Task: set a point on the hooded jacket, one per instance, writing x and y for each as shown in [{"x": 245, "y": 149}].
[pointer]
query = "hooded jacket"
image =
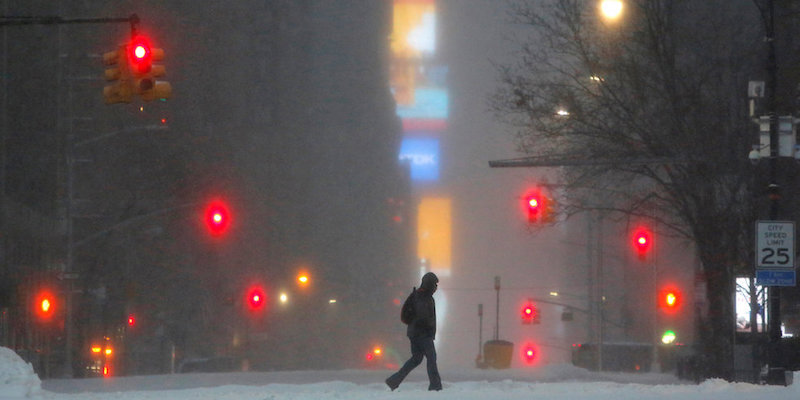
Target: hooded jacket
[{"x": 424, "y": 322}]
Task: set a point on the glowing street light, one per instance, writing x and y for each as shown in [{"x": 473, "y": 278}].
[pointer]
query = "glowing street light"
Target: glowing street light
[
  {"x": 303, "y": 278},
  {"x": 611, "y": 9}
]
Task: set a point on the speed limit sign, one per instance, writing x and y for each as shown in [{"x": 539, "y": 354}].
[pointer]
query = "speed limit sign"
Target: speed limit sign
[{"x": 775, "y": 245}]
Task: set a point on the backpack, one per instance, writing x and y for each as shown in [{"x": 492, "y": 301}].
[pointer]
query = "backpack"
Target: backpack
[{"x": 407, "y": 313}]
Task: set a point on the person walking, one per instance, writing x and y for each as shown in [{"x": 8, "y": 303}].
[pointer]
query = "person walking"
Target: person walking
[{"x": 421, "y": 332}]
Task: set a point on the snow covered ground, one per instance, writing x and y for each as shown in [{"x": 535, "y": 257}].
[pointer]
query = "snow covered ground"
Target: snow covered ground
[{"x": 17, "y": 381}]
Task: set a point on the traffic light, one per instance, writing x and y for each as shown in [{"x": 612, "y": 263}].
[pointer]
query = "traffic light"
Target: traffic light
[
  {"x": 529, "y": 353},
  {"x": 670, "y": 304},
  {"x": 133, "y": 72},
  {"x": 217, "y": 218},
  {"x": 669, "y": 300},
  {"x": 534, "y": 204},
  {"x": 131, "y": 320},
  {"x": 141, "y": 55},
  {"x": 530, "y": 314},
  {"x": 44, "y": 306},
  {"x": 375, "y": 356},
  {"x": 256, "y": 298},
  {"x": 538, "y": 206},
  {"x": 668, "y": 337},
  {"x": 642, "y": 242},
  {"x": 120, "y": 90}
]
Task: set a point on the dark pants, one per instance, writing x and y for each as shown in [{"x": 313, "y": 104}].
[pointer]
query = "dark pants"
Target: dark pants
[{"x": 419, "y": 347}]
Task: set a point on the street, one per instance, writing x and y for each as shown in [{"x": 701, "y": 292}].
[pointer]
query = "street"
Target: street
[{"x": 561, "y": 381}]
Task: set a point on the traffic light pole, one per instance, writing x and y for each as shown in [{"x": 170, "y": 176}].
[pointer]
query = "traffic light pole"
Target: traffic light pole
[
  {"x": 776, "y": 371},
  {"x": 497, "y": 310}
]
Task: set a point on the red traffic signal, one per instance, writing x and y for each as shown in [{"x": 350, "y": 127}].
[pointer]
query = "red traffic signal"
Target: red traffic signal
[
  {"x": 530, "y": 314},
  {"x": 534, "y": 203},
  {"x": 44, "y": 305},
  {"x": 132, "y": 71},
  {"x": 140, "y": 55},
  {"x": 642, "y": 242},
  {"x": 669, "y": 300},
  {"x": 529, "y": 354},
  {"x": 131, "y": 320},
  {"x": 538, "y": 206},
  {"x": 256, "y": 298},
  {"x": 528, "y": 311},
  {"x": 217, "y": 218}
]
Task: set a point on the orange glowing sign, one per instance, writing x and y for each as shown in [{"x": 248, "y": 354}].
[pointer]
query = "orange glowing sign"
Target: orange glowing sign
[
  {"x": 414, "y": 28},
  {"x": 434, "y": 233}
]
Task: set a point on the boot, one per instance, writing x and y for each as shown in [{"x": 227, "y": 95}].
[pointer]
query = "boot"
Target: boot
[{"x": 392, "y": 383}]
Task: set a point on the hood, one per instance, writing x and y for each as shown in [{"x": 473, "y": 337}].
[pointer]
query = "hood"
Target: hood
[{"x": 429, "y": 282}]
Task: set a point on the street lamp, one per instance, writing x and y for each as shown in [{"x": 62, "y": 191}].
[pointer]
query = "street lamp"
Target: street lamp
[{"x": 611, "y": 9}]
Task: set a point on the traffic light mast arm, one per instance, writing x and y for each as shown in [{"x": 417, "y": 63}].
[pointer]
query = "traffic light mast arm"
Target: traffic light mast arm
[
  {"x": 128, "y": 222},
  {"x": 581, "y": 310},
  {"x": 55, "y": 20},
  {"x": 567, "y": 161},
  {"x": 555, "y": 303}
]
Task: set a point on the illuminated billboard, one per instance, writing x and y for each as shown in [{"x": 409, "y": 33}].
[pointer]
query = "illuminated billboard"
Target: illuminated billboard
[
  {"x": 429, "y": 103},
  {"x": 423, "y": 102},
  {"x": 414, "y": 29},
  {"x": 418, "y": 83},
  {"x": 423, "y": 156},
  {"x": 434, "y": 233}
]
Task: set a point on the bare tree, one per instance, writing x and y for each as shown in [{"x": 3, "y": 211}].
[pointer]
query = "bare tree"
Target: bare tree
[{"x": 654, "y": 105}]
